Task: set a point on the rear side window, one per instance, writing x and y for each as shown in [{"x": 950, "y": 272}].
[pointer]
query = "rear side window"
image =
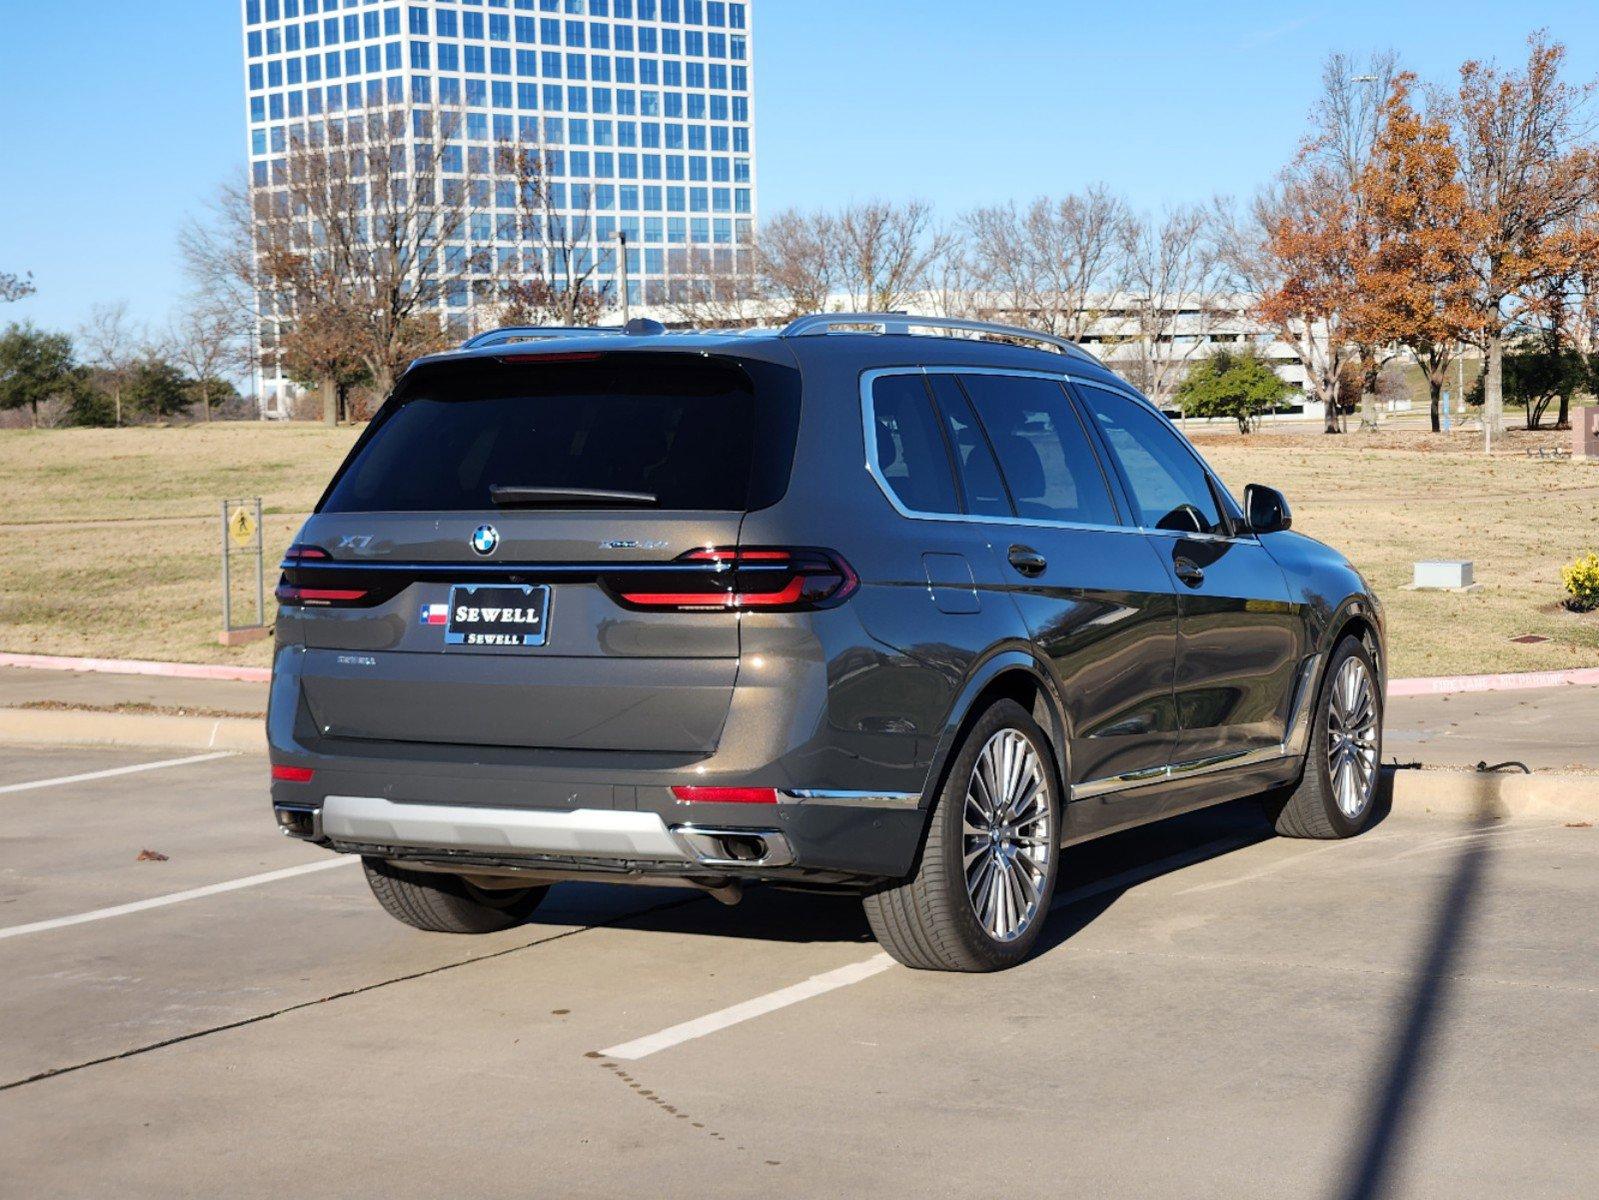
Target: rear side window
[
  {"x": 980, "y": 482},
  {"x": 1170, "y": 488},
  {"x": 911, "y": 458},
  {"x": 1052, "y": 471},
  {"x": 690, "y": 434}
]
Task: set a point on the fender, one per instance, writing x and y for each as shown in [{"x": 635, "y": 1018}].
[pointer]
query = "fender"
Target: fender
[
  {"x": 1006, "y": 657},
  {"x": 1367, "y": 608}
]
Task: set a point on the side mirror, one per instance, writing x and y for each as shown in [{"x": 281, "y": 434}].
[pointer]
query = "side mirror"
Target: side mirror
[{"x": 1266, "y": 509}]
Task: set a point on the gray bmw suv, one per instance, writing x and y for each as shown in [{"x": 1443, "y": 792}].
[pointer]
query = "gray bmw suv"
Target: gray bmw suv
[{"x": 897, "y": 606}]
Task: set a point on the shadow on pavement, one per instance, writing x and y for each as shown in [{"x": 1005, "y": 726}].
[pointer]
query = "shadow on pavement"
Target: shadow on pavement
[
  {"x": 768, "y": 914},
  {"x": 1403, "y": 1069}
]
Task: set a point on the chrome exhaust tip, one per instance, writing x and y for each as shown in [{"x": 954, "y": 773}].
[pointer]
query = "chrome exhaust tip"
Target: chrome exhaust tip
[{"x": 718, "y": 847}]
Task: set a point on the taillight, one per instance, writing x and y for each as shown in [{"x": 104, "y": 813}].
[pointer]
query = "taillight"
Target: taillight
[
  {"x": 723, "y": 579},
  {"x": 289, "y": 593},
  {"x": 303, "y": 553},
  {"x": 282, "y": 774},
  {"x": 726, "y": 795}
]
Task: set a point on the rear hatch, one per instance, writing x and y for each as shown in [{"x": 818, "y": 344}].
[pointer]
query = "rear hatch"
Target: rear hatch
[{"x": 541, "y": 551}]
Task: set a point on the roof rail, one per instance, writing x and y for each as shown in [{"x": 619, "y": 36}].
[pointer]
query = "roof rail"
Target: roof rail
[
  {"x": 825, "y": 323},
  {"x": 537, "y": 333}
]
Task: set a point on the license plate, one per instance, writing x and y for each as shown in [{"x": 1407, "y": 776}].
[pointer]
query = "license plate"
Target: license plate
[{"x": 497, "y": 615}]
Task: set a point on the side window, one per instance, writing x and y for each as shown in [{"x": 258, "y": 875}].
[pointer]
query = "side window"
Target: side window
[
  {"x": 979, "y": 473},
  {"x": 1169, "y": 486},
  {"x": 1052, "y": 470},
  {"x": 911, "y": 458}
]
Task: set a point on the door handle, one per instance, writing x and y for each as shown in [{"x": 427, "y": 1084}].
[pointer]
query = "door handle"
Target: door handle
[
  {"x": 1028, "y": 561},
  {"x": 1188, "y": 571}
]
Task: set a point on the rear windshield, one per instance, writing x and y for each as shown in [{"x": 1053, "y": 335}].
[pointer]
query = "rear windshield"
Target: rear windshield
[{"x": 694, "y": 434}]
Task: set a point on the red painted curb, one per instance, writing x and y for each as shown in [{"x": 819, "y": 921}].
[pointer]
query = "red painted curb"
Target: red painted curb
[
  {"x": 1445, "y": 684},
  {"x": 128, "y": 666}
]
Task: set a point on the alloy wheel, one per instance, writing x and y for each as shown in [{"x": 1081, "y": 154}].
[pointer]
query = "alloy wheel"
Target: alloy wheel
[
  {"x": 1352, "y": 738},
  {"x": 1008, "y": 837}
]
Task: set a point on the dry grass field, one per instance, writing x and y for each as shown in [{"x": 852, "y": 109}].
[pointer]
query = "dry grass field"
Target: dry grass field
[{"x": 109, "y": 539}]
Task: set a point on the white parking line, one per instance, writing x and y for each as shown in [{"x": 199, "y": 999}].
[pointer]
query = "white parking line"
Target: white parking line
[
  {"x": 84, "y": 778},
  {"x": 816, "y": 985},
  {"x": 829, "y": 981},
  {"x": 212, "y": 889}
]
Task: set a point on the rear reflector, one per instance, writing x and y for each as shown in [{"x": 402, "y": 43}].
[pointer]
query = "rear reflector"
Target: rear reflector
[
  {"x": 770, "y": 579},
  {"x": 288, "y": 593},
  {"x": 282, "y": 774},
  {"x": 725, "y": 795}
]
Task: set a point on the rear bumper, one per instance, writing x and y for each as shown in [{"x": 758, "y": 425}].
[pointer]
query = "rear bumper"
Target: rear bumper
[
  {"x": 623, "y": 837},
  {"x": 833, "y": 837}
]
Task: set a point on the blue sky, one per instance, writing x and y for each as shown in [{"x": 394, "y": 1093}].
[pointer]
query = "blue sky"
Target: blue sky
[{"x": 118, "y": 119}]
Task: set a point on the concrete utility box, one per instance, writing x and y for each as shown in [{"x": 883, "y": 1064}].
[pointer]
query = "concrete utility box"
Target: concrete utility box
[
  {"x": 1448, "y": 576},
  {"x": 1585, "y": 433}
]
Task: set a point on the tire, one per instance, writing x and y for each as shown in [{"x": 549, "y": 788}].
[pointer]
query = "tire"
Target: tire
[
  {"x": 441, "y": 903},
  {"x": 931, "y": 921},
  {"x": 1326, "y": 804}
]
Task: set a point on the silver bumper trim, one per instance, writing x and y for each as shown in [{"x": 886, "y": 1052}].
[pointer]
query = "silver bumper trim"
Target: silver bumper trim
[
  {"x": 580, "y": 833},
  {"x": 852, "y": 799}
]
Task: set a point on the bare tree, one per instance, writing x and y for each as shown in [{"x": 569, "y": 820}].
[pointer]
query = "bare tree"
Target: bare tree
[
  {"x": 114, "y": 345},
  {"x": 882, "y": 252},
  {"x": 1045, "y": 264},
  {"x": 1168, "y": 277},
  {"x": 204, "y": 339},
  {"x": 720, "y": 290},
  {"x": 15, "y": 287},
  {"x": 359, "y": 231},
  {"x": 795, "y": 267},
  {"x": 1346, "y": 124},
  {"x": 557, "y": 279}
]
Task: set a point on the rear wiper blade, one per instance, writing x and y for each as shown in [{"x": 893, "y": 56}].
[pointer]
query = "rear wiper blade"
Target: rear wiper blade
[{"x": 520, "y": 495}]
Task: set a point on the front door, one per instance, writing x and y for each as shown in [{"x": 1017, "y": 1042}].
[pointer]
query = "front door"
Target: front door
[
  {"x": 1240, "y": 637},
  {"x": 1095, "y": 596}
]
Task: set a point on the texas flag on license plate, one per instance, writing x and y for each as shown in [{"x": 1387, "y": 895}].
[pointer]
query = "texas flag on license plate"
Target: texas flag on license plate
[{"x": 435, "y": 614}]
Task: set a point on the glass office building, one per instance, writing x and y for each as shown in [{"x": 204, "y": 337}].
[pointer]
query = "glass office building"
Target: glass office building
[{"x": 642, "y": 110}]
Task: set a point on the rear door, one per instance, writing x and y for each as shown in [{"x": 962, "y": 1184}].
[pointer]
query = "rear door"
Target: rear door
[
  {"x": 513, "y": 553},
  {"x": 1096, "y": 598},
  {"x": 1240, "y": 633}
]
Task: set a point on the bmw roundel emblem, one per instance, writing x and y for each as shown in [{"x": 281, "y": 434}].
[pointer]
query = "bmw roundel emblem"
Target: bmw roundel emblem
[{"x": 485, "y": 539}]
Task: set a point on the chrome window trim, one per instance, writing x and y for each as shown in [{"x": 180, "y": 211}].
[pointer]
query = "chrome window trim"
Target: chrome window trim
[{"x": 875, "y": 470}]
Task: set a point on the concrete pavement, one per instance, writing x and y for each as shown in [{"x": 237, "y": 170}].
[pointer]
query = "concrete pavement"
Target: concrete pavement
[{"x": 1215, "y": 1012}]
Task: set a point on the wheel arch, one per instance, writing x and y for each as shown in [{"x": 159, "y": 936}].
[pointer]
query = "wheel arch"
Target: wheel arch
[
  {"x": 1010, "y": 674},
  {"x": 1359, "y": 617}
]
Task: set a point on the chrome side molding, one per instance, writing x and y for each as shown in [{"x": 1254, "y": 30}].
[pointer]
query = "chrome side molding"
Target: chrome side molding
[{"x": 1293, "y": 745}]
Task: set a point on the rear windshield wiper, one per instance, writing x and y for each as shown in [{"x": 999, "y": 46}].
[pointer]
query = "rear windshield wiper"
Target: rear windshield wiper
[{"x": 523, "y": 496}]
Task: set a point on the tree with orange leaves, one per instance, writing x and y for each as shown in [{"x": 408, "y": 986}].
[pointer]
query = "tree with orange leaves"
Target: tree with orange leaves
[
  {"x": 1415, "y": 285},
  {"x": 1300, "y": 259},
  {"x": 1528, "y": 172}
]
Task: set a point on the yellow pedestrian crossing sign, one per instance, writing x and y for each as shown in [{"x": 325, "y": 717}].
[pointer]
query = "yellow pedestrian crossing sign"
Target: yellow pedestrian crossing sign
[{"x": 241, "y": 526}]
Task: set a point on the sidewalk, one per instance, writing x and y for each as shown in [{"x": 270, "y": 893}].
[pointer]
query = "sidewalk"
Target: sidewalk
[{"x": 97, "y": 691}]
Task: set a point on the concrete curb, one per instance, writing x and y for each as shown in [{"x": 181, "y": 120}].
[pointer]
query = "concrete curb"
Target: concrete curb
[
  {"x": 1490, "y": 795},
  {"x": 84, "y": 728},
  {"x": 1440, "y": 793},
  {"x": 133, "y": 666}
]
